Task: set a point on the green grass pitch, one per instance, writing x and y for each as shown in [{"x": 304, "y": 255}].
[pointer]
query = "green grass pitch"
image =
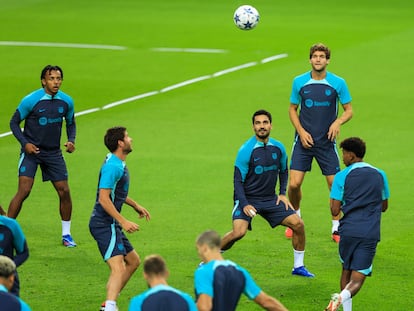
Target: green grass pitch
[{"x": 186, "y": 138}]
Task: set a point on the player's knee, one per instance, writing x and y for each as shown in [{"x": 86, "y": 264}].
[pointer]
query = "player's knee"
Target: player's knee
[
  {"x": 239, "y": 234},
  {"x": 297, "y": 225},
  {"x": 133, "y": 261},
  {"x": 294, "y": 186}
]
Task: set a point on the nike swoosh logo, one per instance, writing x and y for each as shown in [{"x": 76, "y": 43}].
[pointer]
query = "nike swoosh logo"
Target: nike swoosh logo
[
  {"x": 306, "y": 92},
  {"x": 256, "y": 159},
  {"x": 42, "y": 110}
]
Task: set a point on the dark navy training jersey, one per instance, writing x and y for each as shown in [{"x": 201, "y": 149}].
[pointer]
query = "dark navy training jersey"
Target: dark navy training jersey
[
  {"x": 257, "y": 169},
  {"x": 9, "y": 302},
  {"x": 12, "y": 240},
  {"x": 318, "y": 101},
  {"x": 43, "y": 115},
  {"x": 113, "y": 175},
  {"x": 162, "y": 298},
  {"x": 361, "y": 188},
  {"x": 224, "y": 281}
]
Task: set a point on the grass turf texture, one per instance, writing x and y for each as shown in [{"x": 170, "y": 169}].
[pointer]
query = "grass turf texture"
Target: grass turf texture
[{"x": 185, "y": 140}]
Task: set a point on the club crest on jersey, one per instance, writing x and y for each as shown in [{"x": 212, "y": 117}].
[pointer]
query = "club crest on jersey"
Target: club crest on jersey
[
  {"x": 274, "y": 155},
  {"x": 328, "y": 92},
  {"x": 60, "y": 110}
]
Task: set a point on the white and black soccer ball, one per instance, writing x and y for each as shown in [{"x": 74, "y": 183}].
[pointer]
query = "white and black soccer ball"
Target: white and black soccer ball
[{"x": 246, "y": 17}]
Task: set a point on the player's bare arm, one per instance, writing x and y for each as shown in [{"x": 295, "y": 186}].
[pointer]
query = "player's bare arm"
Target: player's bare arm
[
  {"x": 269, "y": 303},
  {"x": 305, "y": 138},
  {"x": 204, "y": 303},
  {"x": 138, "y": 208},
  {"x": 109, "y": 207},
  {"x": 334, "y": 129},
  {"x": 335, "y": 207},
  {"x": 384, "y": 205}
]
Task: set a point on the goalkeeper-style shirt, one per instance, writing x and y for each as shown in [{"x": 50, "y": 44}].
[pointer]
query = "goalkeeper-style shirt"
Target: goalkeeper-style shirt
[{"x": 257, "y": 169}]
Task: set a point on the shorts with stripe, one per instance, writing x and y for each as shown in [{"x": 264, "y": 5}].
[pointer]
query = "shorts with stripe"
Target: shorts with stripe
[
  {"x": 52, "y": 164},
  {"x": 357, "y": 254},
  {"x": 111, "y": 240}
]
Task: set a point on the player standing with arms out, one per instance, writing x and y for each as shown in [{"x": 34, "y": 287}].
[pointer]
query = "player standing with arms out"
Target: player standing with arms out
[
  {"x": 219, "y": 283},
  {"x": 259, "y": 164},
  {"x": 313, "y": 112},
  {"x": 43, "y": 111},
  {"x": 160, "y": 296},
  {"x": 106, "y": 223},
  {"x": 13, "y": 245},
  {"x": 361, "y": 191}
]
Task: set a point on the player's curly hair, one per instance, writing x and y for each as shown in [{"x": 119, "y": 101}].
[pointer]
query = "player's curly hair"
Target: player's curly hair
[
  {"x": 321, "y": 48},
  {"x": 355, "y": 145}
]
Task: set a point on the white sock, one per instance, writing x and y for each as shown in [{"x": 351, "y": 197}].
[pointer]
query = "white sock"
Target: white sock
[
  {"x": 110, "y": 305},
  {"x": 65, "y": 227},
  {"x": 335, "y": 225},
  {"x": 298, "y": 258},
  {"x": 345, "y": 295},
  {"x": 298, "y": 212},
  {"x": 347, "y": 305}
]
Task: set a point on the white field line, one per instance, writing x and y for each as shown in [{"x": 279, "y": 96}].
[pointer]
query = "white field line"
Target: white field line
[
  {"x": 63, "y": 45},
  {"x": 226, "y": 71},
  {"x": 81, "y": 113},
  {"x": 188, "y": 50},
  {"x": 184, "y": 83},
  {"x": 175, "y": 86},
  {"x": 130, "y": 99},
  {"x": 272, "y": 58},
  {"x": 5, "y": 134}
]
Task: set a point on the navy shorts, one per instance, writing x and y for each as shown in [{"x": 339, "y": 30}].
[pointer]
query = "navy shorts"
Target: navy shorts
[
  {"x": 325, "y": 154},
  {"x": 52, "y": 164},
  {"x": 357, "y": 254},
  {"x": 111, "y": 240},
  {"x": 274, "y": 214}
]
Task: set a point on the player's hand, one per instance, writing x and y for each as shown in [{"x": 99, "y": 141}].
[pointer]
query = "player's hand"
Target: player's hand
[
  {"x": 285, "y": 200},
  {"x": 70, "y": 147},
  {"x": 130, "y": 226},
  {"x": 143, "y": 213},
  {"x": 334, "y": 130},
  {"x": 306, "y": 139},
  {"x": 29, "y": 148},
  {"x": 250, "y": 211}
]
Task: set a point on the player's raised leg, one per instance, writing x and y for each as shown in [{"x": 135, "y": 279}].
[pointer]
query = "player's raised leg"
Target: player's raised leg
[{"x": 238, "y": 232}]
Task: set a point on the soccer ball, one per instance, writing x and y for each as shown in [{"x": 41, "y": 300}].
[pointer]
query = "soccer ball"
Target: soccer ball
[{"x": 246, "y": 17}]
